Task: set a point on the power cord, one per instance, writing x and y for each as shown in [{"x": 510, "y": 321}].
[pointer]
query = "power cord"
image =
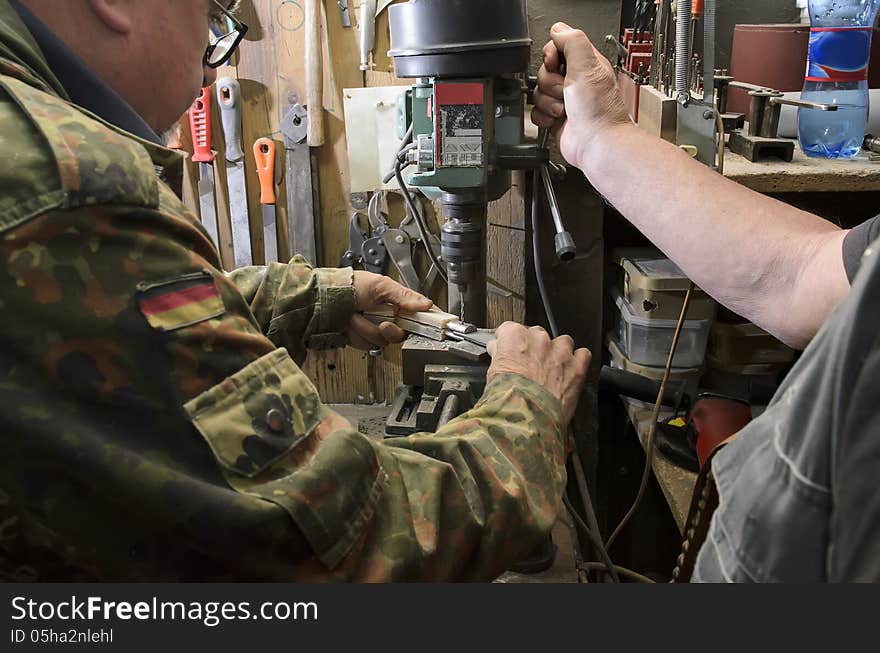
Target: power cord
[
  {"x": 595, "y": 540},
  {"x": 622, "y": 571},
  {"x": 591, "y": 529},
  {"x": 655, "y": 415},
  {"x": 420, "y": 223}
]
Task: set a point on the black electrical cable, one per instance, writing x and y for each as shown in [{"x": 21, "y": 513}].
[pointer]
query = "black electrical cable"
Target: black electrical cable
[
  {"x": 398, "y": 157},
  {"x": 536, "y": 250},
  {"x": 594, "y": 538},
  {"x": 583, "y": 488},
  {"x": 623, "y": 571},
  {"x": 652, "y": 432},
  {"x": 592, "y": 530},
  {"x": 405, "y": 145},
  {"x": 420, "y": 223}
]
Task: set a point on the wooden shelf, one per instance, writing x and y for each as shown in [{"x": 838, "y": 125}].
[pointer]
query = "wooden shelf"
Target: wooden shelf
[
  {"x": 676, "y": 482},
  {"x": 803, "y": 174}
]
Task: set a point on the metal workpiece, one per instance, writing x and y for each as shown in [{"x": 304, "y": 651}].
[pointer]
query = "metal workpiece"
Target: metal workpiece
[{"x": 459, "y": 38}]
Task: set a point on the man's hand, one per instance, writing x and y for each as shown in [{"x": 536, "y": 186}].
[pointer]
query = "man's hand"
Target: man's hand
[
  {"x": 583, "y": 102},
  {"x": 553, "y": 364},
  {"x": 374, "y": 291}
]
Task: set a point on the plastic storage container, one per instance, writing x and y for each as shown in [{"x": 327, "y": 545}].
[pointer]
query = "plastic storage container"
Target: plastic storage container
[
  {"x": 689, "y": 376},
  {"x": 743, "y": 346},
  {"x": 655, "y": 287},
  {"x": 647, "y": 341}
]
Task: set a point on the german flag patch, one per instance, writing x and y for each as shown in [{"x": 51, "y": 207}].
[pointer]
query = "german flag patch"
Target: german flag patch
[{"x": 180, "y": 303}]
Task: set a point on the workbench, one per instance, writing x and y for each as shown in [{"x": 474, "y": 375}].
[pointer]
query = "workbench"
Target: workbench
[
  {"x": 676, "y": 482},
  {"x": 804, "y": 174}
]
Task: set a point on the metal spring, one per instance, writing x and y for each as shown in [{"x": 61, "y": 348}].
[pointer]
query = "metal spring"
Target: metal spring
[{"x": 682, "y": 46}]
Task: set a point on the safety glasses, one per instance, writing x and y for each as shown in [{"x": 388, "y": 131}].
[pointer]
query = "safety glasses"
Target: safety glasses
[{"x": 226, "y": 33}]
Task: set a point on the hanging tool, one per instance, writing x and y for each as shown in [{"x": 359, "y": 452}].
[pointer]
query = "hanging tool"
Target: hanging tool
[
  {"x": 356, "y": 238},
  {"x": 300, "y": 171},
  {"x": 229, "y": 100},
  {"x": 368, "y": 32},
  {"x": 200, "y": 124},
  {"x": 344, "y": 14},
  {"x": 314, "y": 73},
  {"x": 370, "y": 10},
  {"x": 264, "y": 153},
  {"x": 403, "y": 242},
  {"x": 365, "y": 249}
]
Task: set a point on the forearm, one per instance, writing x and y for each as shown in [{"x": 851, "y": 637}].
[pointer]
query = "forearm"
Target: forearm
[
  {"x": 461, "y": 504},
  {"x": 297, "y": 306},
  {"x": 470, "y": 500},
  {"x": 780, "y": 267}
]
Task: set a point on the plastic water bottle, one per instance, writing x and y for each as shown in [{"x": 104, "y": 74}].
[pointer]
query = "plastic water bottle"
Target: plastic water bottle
[{"x": 837, "y": 73}]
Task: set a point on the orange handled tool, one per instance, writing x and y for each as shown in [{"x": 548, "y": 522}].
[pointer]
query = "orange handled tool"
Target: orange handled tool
[
  {"x": 697, "y": 9},
  {"x": 264, "y": 153},
  {"x": 200, "y": 124}
]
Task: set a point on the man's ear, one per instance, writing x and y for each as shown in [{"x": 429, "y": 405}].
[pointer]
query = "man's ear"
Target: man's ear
[{"x": 115, "y": 14}]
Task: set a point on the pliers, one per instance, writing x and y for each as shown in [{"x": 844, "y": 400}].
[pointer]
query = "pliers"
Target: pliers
[
  {"x": 365, "y": 249},
  {"x": 402, "y": 242}
]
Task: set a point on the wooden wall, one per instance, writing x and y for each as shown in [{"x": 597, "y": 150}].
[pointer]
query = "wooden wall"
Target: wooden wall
[{"x": 269, "y": 67}]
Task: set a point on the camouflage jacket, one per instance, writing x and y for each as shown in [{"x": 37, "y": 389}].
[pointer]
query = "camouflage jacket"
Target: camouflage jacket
[{"x": 156, "y": 425}]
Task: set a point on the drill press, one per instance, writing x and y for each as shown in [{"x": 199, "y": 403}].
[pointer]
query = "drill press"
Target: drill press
[{"x": 465, "y": 116}]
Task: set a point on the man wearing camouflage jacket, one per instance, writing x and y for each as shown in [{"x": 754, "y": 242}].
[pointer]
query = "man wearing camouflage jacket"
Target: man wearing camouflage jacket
[{"x": 156, "y": 424}]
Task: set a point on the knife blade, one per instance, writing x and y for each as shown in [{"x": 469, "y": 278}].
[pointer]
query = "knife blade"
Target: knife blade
[
  {"x": 229, "y": 101},
  {"x": 200, "y": 125},
  {"x": 264, "y": 153}
]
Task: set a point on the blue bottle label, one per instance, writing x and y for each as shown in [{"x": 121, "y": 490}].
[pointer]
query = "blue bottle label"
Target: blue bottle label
[{"x": 839, "y": 54}]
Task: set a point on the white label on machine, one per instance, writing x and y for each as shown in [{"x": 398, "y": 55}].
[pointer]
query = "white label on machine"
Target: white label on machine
[{"x": 461, "y": 124}]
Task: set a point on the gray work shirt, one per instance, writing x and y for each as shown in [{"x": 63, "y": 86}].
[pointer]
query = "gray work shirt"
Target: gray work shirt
[{"x": 799, "y": 489}]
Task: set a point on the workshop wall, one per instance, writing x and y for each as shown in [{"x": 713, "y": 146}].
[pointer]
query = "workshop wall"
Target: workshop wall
[
  {"x": 271, "y": 68},
  {"x": 749, "y": 12}
]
